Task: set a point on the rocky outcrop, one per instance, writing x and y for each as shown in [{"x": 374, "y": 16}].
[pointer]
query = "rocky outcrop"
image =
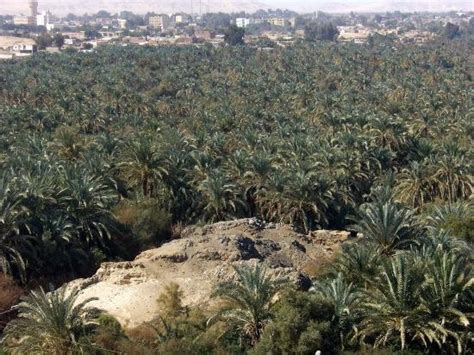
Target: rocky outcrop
[{"x": 203, "y": 257}]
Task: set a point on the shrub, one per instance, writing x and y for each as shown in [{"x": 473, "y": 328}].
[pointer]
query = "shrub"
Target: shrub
[
  {"x": 462, "y": 228},
  {"x": 301, "y": 325},
  {"x": 109, "y": 334},
  {"x": 148, "y": 220},
  {"x": 171, "y": 301},
  {"x": 10, "y": 294}
]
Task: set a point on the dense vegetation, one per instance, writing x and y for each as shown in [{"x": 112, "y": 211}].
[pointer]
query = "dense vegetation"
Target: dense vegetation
[{"x": 106, "y": 153}]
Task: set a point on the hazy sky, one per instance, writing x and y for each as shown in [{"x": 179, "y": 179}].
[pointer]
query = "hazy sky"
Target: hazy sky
[{"x": 140, "y": 6}]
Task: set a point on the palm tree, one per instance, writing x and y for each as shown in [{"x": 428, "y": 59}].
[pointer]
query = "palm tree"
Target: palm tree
[
  {"x": 385, "y": 224},
  {"x": 447, "y": 295},
  {"x": 15, "y": 239},
  {"x": 451, "y": 174},
  {"x": 440, "y": 216},
  {"x": 297, "y": 198},
  {"x": 345, "y": 297},
  {"x": 393, "y": 309},
  {"x": 87, "y": 201},
  {"x": 142, "y": 166},
  {"x": 221, "y": 198},
  {"x": 68, "y": 143},
  {"x": 414, "y": 185},
  {"x": 247, "y": 301},
  {"x": 359, "y": 263},
  {"x": 48, "y": 323}
]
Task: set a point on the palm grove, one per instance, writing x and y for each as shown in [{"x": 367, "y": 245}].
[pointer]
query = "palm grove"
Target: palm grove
[{"x": 107, "y": 153}]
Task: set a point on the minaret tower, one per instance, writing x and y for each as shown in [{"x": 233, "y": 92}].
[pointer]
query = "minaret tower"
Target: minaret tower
[{"x": 34, "y": 10}]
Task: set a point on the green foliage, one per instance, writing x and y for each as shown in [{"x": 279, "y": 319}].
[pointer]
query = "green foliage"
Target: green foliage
[
  {"x": 451, "y": 31},
  {"x": 108, "y": 336},
  {"x": 234, "y": 35},
  {"x": 48, "y": 323},
  {"x": 320, "y": 31},
  {"x": 344, "y": 297},
  {"x": 58, "y": 40},
  {"x": 43, "y": 40},
  {"x": 461, "y": 228},
  {"x": 148, "y": 220},
  {"x": 359, "y": 263},
  {"x": 101, "y": 151},
  {"x": 385, "y": 224},
  {"x": 171, "y": 301},
  {"x": 411, "y": 304},
  {"x": 301, "y": 324},
  {"x": 456, "y": 218},
  {"x": 247, "y": 301},
  {"x": 179, "y": 330}
]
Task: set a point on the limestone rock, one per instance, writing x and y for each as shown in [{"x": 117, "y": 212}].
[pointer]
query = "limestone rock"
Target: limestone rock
[{"x": 202, "y": 258}]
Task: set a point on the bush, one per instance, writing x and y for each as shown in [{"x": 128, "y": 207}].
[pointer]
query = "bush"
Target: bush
[
  {"x": 10, "y": 294},
  {"x": 109, "y": 333},
  {"x": 301, "y": 325},
  {"x": 462, "y": 228},
  {"x": 148, "y": 221}
]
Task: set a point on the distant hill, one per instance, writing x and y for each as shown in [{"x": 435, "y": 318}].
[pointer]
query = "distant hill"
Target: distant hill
[
  {"x": 62, "y": 7},
  {"x": 383, "y": 5}
]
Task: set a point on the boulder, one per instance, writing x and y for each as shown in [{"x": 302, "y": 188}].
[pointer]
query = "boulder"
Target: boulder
[{"x": 199, "y": 260}]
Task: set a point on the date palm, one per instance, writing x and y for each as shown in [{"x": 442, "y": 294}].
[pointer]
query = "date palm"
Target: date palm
[
  {"x": 221, "y": 197},
  {"x": 386, "y": 224},
  {"x": 359, "y": 263},
  {"x": 142, "y": 166},
  {"x": 452, "y": 174},
  {"x": 393, "y": 311},
  {"x": 447, "y": 293},
  {"x": 247, "y": 300},
  {"x": 440, "y": 216},
  {"x": 15, "y": 241},
  {"x": 345, "y": 297},
  {"x": 87, "y": 201},
  {"x": 49, "y": 323},
  {"x": 414, "y": 185}
]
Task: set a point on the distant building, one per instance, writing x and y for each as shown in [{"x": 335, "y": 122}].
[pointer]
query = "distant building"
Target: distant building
[
  {"x": 122, "y": 23},
  {"x": 17, "y": 44},
  {"x": 160, "y": 22},
  {"x": 75, "y": 35},
  {"x": 184, "y": 40},
  {"x": 242, "y": 22},
  {"x": 70, "y": 41},
  {"x": 34, "y": 8},
  {"x": 277, "y": 21},
  {"x": 103, "y": 21},
  {"x": 203, "y": 34},
  {"x": 24, "y": 20},
  {"x": 6, "y": 55},
  {"x": 53, "y": 50},
  {"x": 25, "y": 48},
  {"x": 181, "y": 19},
  {"x": 28, "y": 20},
  {"x": 43, "y": 19}
]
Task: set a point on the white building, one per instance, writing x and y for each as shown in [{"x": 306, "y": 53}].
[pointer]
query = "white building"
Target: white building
[
  {"x": 43, "y": 19},
  {"x": 122, "y": 23},
  {"x": 25, "y": 48},
  {"x": 242, "y": 22}
]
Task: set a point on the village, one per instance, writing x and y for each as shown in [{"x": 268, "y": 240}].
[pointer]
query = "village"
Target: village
[{"x": 24, "y": 35}]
